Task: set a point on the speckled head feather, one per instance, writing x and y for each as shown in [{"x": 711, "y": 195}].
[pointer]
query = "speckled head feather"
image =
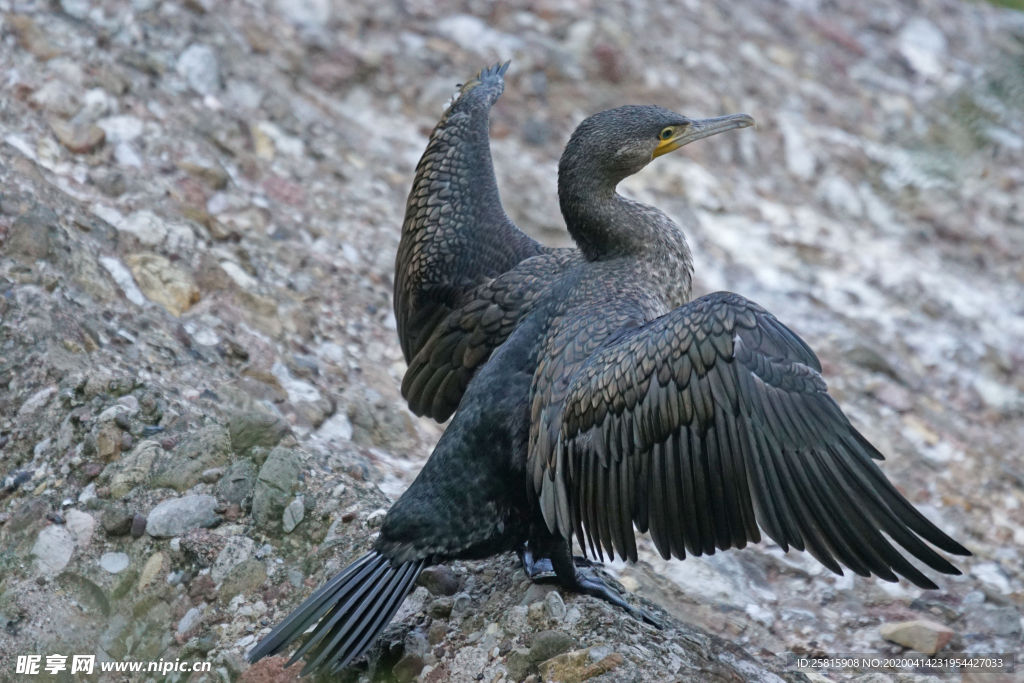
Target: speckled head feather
[
  {"x": 615, "y": 144},
  {"x": 608, "y": 147}
]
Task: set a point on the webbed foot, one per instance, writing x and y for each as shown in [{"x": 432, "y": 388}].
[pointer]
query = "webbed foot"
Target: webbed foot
[
  {"x": 540, "y": 567},
  {"x": 583, "y": 577}
]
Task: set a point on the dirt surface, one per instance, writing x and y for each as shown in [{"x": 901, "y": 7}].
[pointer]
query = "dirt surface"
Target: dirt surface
[{"x": 200, "y": 421}]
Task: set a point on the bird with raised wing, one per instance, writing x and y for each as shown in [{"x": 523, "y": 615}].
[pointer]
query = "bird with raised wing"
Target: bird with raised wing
[{"x": 593, "y": 399}]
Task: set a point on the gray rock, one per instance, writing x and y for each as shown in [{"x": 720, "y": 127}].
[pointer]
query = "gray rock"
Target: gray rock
[
  {"x": 212, "y": 476},
  {"x": 255, "y": 428},
  {"x": 238, "y": 549},
  {"x": 274, "y": 486},
  {"x": 208, "y": 448},
  {"x": 293, "y": 514},
  {"x": 461, "y": 603},
  {"x": 536, "y": 593},
  {"x": 192, "y": 618},
  {"x": 548, "y": 644},
  {"x": 517, "y": 620},
  {"x": 376, "y": 518},
  {"x": 416, "y": 643},
  {"x": 56, "y": 97},
  {"x": 437, "y": 632},
  {"x": 138, "y": 525},
  {"x": 993, "y": 620},
  {"x": 520, "y": 664},
  {"x": 115, "y": 563},
  {"x": 117, "y": 521},
  {"x": 29, "y": 237},
  {"x": 134, "y": 468},
  {"x": 200, "y": 68},
  {"x": 439, "y": 580},
  {"x": 28, "y": 514},
  {"x": 408, "y": 668},
  {"x": 243, "y": 578},
  {"x": 176, "y": 516},
  {"x": 441, "y": 608},
  {"x": 238, "y": 482}
]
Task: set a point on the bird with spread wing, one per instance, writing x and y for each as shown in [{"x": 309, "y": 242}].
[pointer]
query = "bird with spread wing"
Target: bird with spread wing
[{"x": 593, "y": 399}]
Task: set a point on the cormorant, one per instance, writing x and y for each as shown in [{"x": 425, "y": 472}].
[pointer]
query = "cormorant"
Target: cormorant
[{"x": 592, "y": 396}]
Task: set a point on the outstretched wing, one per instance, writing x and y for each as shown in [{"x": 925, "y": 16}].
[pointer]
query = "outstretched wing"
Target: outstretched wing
[
  {"x": 439, "y": 373},
  {"x": 713, "y": 420},
  {"x": 456, "y": 235}
]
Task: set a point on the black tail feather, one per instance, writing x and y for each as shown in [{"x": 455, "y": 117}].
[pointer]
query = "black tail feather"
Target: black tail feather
[{"x": 353, "y": 608}]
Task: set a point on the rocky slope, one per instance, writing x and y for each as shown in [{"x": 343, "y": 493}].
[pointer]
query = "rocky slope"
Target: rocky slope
[{"x": 200, "y": 204}]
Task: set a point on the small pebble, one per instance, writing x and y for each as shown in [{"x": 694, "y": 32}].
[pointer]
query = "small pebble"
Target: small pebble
[{"x": 138, "y": 525}]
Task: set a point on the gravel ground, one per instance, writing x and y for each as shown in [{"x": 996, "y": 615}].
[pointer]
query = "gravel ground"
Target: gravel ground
[{"x": 200, "y": 205}]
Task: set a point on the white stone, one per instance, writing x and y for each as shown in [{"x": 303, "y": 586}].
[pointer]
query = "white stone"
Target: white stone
[
  {"x": 112, "y": 412},
  {"x": 199, "y": 66},
  {"x": 36, "y": 401},
  {"x": 283, "y": 143},
  {"x": 241, "y": 278},
  {"x": 53, "y": 550},
  {"x": 920, "y": 635},
  {"x": 123, "y": 277},
  {"x": 180, "y": 239},
  {"x": 121, "y": 128},
  {"x": 924, "y": 46},
  {"x": 554, "y": 605},
  {"x": 293, "y": 514},
  {"x": 336, "y": 427},
  {"x": 800, "y": 160},
  {"x": 191, "y": 618},
  {"x": 307, "y": 12},
  {"x": 88, "y": 493},
  {"x": 115, "y": 563},
  {"x": 80, "y": 525},
  {"x": 840, "y": 196},
  {"x": 760, "y": 614},
  {"x": 107, "y": 213},
  {"x": 296, "y": 388},
  {"x": 125, "y": 155},
  {"x": 146, "y": 226},
  {"x": 991, "y": 573},
  {"x": 96, "y": 104},
  {"x": 244, "y": 94}
]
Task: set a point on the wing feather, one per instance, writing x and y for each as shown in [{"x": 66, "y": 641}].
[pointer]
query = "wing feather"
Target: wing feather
[
  {"x": 709, "y": 424},
  {"x": 456, "y": 235}
]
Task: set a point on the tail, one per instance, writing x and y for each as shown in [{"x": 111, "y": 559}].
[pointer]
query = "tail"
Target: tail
[{"x": 354, "y": 608}]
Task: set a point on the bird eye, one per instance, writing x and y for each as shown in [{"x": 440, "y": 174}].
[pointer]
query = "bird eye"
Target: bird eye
[{"x": 667, "y": 133}]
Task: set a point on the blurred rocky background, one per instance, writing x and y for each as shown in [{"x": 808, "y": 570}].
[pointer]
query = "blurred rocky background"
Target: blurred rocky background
[{"x": 200, "y": 422}]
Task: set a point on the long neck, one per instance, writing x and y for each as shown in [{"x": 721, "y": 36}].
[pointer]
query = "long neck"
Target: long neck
[
  {"x": 605, "y": 225},
  {"x": 599, "y": 219}
]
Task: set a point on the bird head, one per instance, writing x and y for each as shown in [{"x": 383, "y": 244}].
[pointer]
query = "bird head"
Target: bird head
[{"x": 619, "y": 142}]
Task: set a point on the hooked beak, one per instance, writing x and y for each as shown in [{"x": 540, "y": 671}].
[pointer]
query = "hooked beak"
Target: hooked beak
[{"x": 702, "y": 128}]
